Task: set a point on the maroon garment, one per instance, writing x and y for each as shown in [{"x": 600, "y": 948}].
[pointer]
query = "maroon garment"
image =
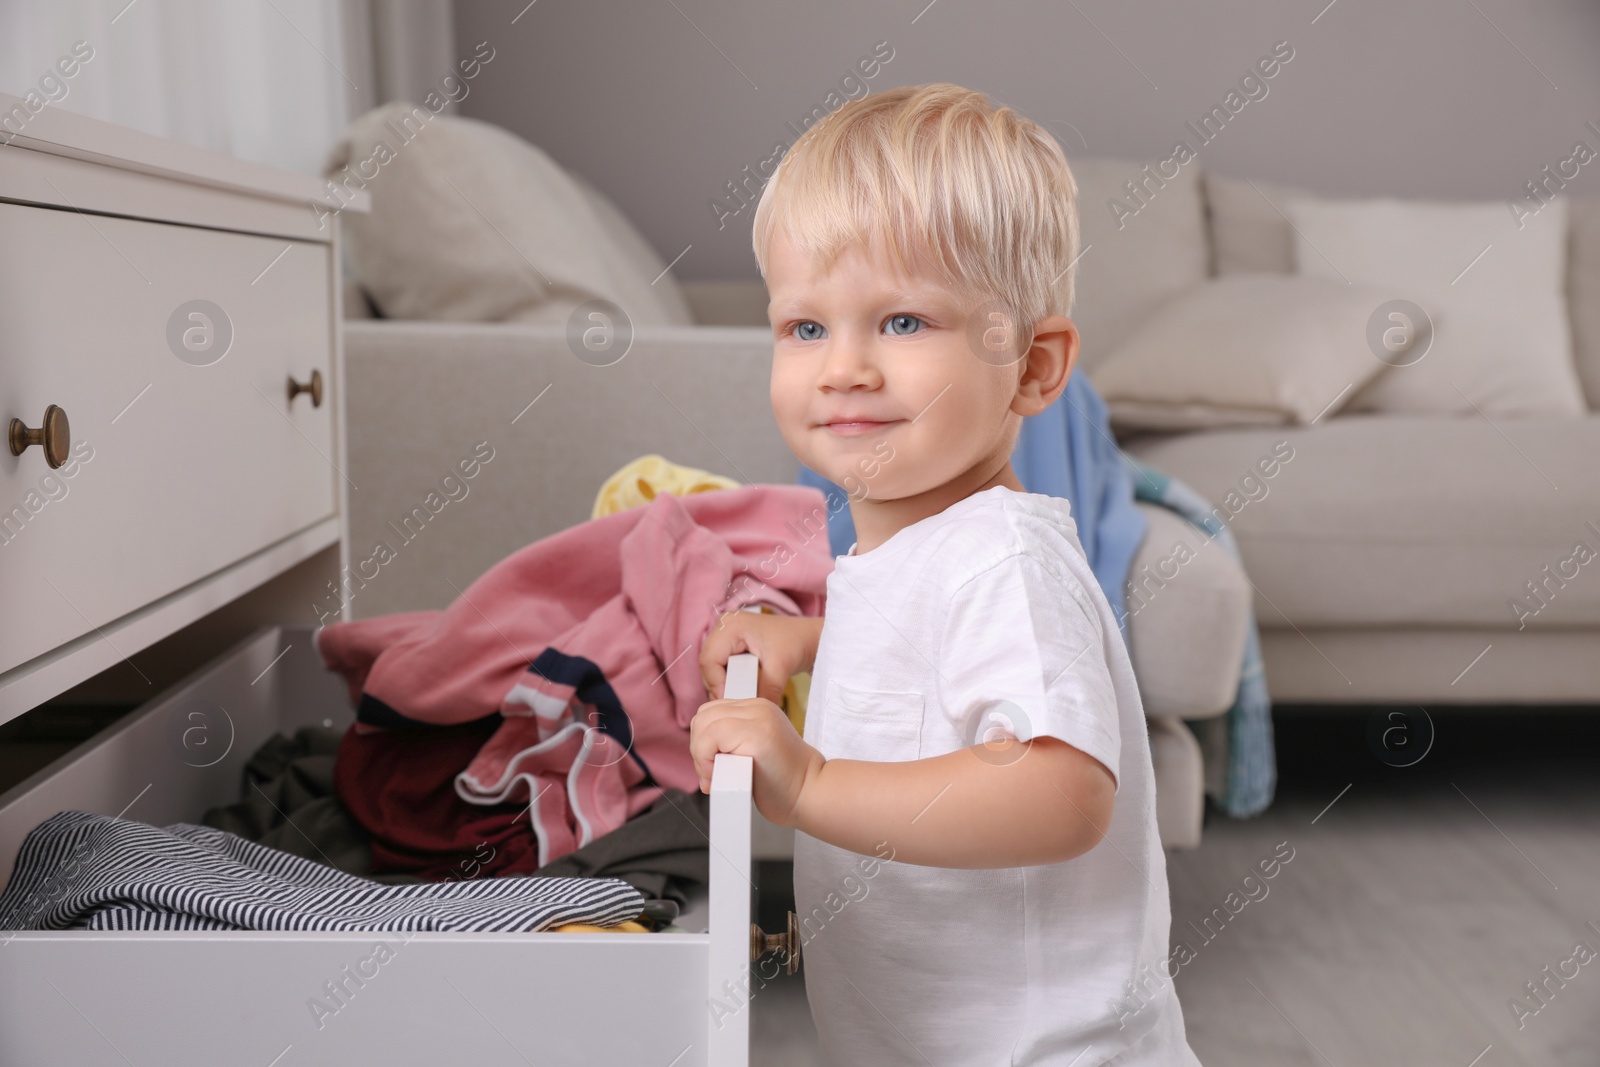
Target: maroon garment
[{"x": 400, "y": 785}]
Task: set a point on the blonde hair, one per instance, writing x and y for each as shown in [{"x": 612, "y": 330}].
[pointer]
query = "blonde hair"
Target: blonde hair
[{"x": 934, "y": 170}]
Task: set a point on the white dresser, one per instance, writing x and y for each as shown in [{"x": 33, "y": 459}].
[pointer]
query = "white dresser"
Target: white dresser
[{"x": 169, "y": 377}]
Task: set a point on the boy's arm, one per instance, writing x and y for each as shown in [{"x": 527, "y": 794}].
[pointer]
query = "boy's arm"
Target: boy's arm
[{"x": 1009, "y": 804}]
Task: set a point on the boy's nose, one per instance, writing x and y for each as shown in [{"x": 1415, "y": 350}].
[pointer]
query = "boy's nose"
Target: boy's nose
[{"x": 847, "y": 364}]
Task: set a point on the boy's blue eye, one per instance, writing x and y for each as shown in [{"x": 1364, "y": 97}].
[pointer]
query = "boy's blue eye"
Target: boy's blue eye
[{"x": 810, "y": 330}]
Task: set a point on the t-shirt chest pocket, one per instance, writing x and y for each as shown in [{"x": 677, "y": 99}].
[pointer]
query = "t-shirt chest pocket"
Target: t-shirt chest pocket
[{"x": 870, "y": 725}]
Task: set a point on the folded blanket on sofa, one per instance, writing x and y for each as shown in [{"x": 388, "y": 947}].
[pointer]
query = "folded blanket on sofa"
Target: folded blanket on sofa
[
  {"x": 564, "y": 678},
  {"x": 80, "y": 870}
]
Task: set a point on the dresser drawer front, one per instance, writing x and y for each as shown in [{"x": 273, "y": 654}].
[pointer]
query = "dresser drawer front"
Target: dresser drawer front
[{"x": 187, "y": 453}]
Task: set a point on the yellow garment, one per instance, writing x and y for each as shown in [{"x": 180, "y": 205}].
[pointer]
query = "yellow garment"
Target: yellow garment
[
  {"x": 638, "y": 483},
  {"x": 795, "y": 695},
  {"x": 629, "y": 927}
]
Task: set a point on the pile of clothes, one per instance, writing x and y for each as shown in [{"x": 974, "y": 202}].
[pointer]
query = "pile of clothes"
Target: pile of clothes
[{"x": 554, "y": 695}]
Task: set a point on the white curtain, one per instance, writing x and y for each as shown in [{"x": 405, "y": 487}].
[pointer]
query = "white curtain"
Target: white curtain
[
  {"x": 271, "y": 81},
  {"x": 412, "y": 47}
]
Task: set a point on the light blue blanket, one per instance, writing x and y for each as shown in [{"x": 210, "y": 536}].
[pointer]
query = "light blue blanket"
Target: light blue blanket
[
  {"x": 1252, "y": 767},
  {"x": 1067, "y": 450}
]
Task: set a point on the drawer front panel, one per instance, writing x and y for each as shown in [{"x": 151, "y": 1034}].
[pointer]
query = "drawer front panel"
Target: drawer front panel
[{"x": 170, "y": 349}]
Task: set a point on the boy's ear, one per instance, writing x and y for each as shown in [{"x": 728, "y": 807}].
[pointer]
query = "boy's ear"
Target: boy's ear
[{"x": 1049, "y": 363}]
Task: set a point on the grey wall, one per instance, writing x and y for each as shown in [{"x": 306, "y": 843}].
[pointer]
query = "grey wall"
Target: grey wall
[{"x": 661, "y": 102}]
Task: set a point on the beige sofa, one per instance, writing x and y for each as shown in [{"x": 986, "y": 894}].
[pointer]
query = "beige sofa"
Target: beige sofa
[{"x": 1387, "y": 559}]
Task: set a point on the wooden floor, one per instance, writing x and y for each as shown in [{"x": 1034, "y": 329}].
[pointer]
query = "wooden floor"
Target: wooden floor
[{"x": 1420, "y": 901}]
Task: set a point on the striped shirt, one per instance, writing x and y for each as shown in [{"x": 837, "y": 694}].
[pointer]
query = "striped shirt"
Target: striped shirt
[{"x": 83, "y": 871}]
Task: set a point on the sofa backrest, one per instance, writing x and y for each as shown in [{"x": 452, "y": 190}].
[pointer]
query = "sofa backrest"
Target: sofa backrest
[
  {"x": 1248, "y": 234},
  {"x": 547, "y": 428},
  {"x": 1138, "y": 246}
]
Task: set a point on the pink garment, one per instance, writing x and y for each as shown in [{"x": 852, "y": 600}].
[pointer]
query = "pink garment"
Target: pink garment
[{"x": 587, "y": 643}]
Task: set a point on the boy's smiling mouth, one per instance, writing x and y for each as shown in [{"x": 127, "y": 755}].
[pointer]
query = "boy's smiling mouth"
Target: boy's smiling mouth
[{"x": 857, "y": 427}]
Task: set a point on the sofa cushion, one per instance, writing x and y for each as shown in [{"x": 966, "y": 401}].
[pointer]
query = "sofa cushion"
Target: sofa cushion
[
  {"x": 1133, "y": 255},
  {"x": 1244, "y": 350},
  {"x": 1248, "y": 233},
  {"x": 1501, "y": 339},
  {"x": 472, "y": 223},
  {"x": 633, "y": 261},
  {"x": 1386, "y": 520}
]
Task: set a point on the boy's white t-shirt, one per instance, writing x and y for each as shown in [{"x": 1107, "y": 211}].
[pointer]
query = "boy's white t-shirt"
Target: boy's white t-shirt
[{"x": 984, "y": 618}]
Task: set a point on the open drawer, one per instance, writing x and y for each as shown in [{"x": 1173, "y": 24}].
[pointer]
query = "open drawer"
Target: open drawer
[{"x": 180, "y": 998}]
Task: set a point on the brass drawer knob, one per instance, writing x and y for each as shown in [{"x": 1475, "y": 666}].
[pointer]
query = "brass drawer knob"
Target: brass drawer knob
[
  {"x": 788, "y": 943},
  {"x": 53, "y": 436},
  {"x": 314, "y": 387}
]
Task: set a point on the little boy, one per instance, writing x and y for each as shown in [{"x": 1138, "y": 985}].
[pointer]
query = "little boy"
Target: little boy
[{"x": 977, "y": 870}]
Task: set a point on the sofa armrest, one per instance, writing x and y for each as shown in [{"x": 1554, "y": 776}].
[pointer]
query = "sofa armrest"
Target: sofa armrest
[
  {"x": 1189, "y": 614},
  {"x": 541, "y": 430}
]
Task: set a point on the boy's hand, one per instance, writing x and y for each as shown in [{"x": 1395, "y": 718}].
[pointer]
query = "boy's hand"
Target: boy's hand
[
  {"x": 785, "y": 645},
  {"x": 756, "y": 728}
]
